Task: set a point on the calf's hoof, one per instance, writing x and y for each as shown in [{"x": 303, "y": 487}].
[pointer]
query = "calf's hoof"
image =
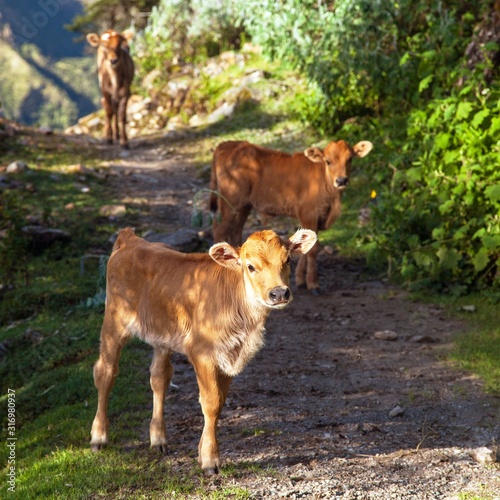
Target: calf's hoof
[
  {"x": 124, "y": 146},
  {"x": 95, "y": 447},
  {"x": 316, "y": 292},
  {"x": 211, "y": 471},
  {"x": 160, "y": 448}
]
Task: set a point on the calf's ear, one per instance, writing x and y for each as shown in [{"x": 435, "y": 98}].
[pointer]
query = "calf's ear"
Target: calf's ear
[
  {"x": 225, "y": 255},
  {"x": 362, "y": 148},
  {"x": 302, "y": 241},
  {"x": 93, "y": 39},
  {"x": 314, "y": 154}
]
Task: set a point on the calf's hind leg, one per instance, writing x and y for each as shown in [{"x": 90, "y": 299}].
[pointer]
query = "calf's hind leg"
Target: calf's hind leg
[
  {"x": 230, "y": 227},
  {"x": 105, "y": 371},
  {"x": 161, "y": 374}
]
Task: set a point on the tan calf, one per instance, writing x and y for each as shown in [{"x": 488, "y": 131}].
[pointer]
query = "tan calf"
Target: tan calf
[
  {"x": 211, "y": 307},
  {"x": 307, "y": 186},
  {"x": 116, "y": 71}
]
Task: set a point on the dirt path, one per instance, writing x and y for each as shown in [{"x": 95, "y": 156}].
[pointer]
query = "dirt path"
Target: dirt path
[{"x": 310, "y": 416}]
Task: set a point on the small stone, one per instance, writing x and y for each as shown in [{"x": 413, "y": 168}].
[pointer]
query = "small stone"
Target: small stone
[
  {"x": 45, "y": 130},
  {"x": 184, "y": 240},
  {"x": 17, "y": 167},
  {"x": 397, "y": 410},
  {"x": 422, "y": 339},
  {"x": 328, "y": 250},
  {"x": 385, "y": 335},
  {"x": 471, "y": 308},
  {"x": 113, "y": 210},
  {"x": 484, "y": 455}
]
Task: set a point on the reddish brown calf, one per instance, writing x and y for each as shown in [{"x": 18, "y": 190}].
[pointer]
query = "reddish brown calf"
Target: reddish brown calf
[
  {"x": 116, "y": 72},
  {"x": 211, "y": 307},
  {"x": 307, "y": 186}
]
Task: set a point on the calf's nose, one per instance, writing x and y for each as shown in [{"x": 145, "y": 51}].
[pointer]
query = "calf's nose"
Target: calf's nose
[
  {"x": 279, "y": 295},
  {"x": 342, "y": 181}
]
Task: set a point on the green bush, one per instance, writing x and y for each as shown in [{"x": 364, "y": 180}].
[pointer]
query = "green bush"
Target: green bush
[
  {"x": 441, "y": 221},
  {"x": 188, "y": 30}
]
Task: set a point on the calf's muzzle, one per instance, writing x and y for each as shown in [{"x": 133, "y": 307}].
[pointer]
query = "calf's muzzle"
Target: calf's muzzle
[
  {"x": 279, "y": 295},
  {"x": 342, "y": 181}
]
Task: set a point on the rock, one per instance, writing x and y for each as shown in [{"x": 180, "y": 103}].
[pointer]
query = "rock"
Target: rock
[
  {"x": 94, "y": 122},
  {"x": 253, "y": 77},
  {"x": 221, "y": 112},
  {"x": 149, "y": 79},
  {"x": 42, "y": 238},
  {"x": 422, "y": 339},
  {"x": 76, "y": 130},
  {"x": 364, "y": 216},
  {"x": 113, "y": 210},
  {"x": 385, "y": 335},
  {"x": 328, "y": 250},
  {"x": 17, "y": 167},
  {"x": 34, "y": 336},
  {"x": 184, "y": 240},
  {"x": 484, "y": 455},
  {"x": 45, "y": 131},
  {"x": 471, "y": 308},
  {"x": 137, "y": 105},
  {"x": 396, "y": 411}
]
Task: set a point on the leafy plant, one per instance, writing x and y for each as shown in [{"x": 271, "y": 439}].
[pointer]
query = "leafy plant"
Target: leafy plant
[
  {"x": 188, "y": 30},
  {"x": 440, "y": 222}
]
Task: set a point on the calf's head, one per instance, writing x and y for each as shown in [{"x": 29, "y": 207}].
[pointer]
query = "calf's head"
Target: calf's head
[
  {"x": 264, "y": 262},
  {"x": 111, "y": 44},
  {"x": 337, "y": 158}
]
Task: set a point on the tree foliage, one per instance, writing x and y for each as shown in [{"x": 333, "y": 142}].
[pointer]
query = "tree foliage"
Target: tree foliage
[
  {"x": 188, "y": 30},
  {"x": 101, "y": 15}
]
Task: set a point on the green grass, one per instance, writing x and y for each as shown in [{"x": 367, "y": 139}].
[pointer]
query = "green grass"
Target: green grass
[{"x": 478, "y": 349}]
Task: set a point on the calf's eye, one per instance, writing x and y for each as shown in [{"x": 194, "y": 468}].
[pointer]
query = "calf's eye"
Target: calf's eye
[{"x": 251, "y": 268}]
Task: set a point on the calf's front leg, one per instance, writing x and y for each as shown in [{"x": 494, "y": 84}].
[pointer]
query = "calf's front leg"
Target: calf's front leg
[
  {"x": 121, "y": 121},
  {"x": 108, "y": 111},
  {"x": 214, "y": 386}
]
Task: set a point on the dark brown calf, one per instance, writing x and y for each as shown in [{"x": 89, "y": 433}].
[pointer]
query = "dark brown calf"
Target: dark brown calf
[
  {"x": 307, "y": 186},
  {"x": 211, "y": 307},
  {"x": 116, "y": 72}
]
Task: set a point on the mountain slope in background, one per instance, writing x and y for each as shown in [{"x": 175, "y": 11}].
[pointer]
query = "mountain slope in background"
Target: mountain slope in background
[
  {"x": 42, "y": 23},
  {"x": 47, "y": 77}
]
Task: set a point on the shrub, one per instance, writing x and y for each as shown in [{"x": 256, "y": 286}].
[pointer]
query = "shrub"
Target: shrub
[
  {"x": 189, "y": 30},
  {"x": 440, "y": 223}
]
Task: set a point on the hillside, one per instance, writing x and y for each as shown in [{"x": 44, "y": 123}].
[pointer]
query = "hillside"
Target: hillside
[
  {"x": 42, "y": 23},
  {"x": 47, "y": 78}
]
